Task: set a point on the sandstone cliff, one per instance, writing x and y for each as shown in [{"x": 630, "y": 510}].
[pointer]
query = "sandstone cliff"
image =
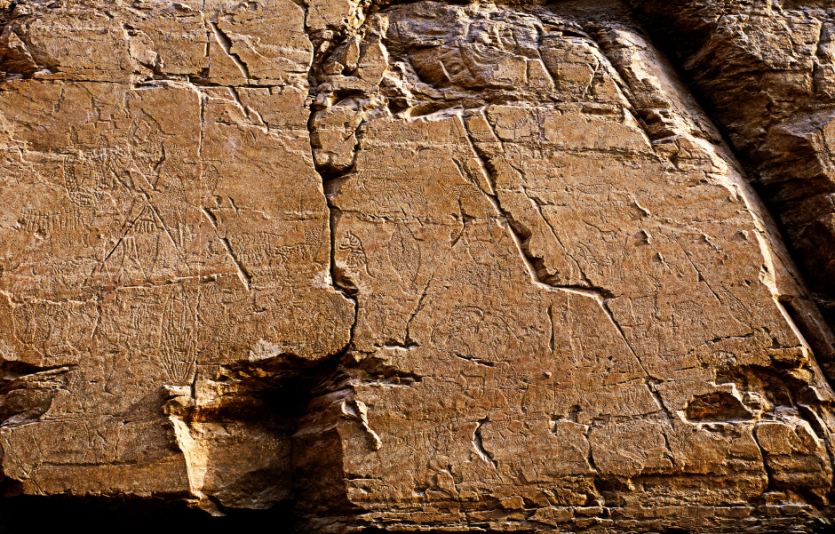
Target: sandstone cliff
[{"x": 421, "y": 266}]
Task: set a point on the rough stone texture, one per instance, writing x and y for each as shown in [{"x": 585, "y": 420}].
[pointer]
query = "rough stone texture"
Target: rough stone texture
[
  {"x": 766, "y": 69},
  {"x": 413, "y": 266}
]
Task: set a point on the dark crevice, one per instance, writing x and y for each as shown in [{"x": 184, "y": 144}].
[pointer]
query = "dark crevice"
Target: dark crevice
[
  {"x": 478, "y": 444},
  {"x": 12, "y": 371},
  {"x": 135, "y": 514},
  {"x": 815, "y": 331},
  {"x": 272, "y": 396}
]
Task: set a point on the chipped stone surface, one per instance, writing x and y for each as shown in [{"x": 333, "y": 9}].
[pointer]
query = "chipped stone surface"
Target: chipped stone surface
[{"x": 413, "y": 266}]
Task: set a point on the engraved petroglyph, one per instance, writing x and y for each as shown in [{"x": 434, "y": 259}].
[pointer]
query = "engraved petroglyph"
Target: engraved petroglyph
[{"x": 426, "y": 265}]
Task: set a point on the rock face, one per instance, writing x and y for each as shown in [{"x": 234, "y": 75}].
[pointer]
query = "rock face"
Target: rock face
[
  {"x": 766, "y": 70},
  {"x": 417, "y": 266}
]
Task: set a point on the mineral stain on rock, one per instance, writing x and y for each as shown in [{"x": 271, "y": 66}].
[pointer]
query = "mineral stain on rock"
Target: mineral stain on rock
[{"x": 417, "y": 266}]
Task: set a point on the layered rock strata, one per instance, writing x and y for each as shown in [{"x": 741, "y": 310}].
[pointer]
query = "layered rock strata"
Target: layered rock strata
[{"x": 419, "y": 266}]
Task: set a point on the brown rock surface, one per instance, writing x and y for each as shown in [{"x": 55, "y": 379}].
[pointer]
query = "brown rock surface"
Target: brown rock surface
[
  {"x": 418, "y": 266},
  {"x": 767, "y": 72}
]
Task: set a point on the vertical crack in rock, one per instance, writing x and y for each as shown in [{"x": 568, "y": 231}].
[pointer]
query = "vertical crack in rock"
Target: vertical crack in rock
[
  {"x": 226, "y": 44},
  {"x": 478, "y": 444},
  {"x": 201, "y": 99},
  {"x": 337, "y": 280},
  {"x": 768, "y": 469}
]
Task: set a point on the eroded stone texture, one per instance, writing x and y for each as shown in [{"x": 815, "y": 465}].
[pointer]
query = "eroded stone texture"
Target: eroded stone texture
[
  {"x": 766, "y": 69},
  {"x": 156, "y": 232},
  {"x": 420, "y": 266}
]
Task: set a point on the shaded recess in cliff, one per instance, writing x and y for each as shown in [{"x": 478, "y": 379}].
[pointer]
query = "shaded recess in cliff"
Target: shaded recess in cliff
[{"x": 128, "y": 514}]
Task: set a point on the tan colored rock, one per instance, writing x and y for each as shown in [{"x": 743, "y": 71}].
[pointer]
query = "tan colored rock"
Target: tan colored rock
[
  {"x": 765, "y": 69},
  {"x": 421, "y": 266},
  {"x": 175, "y": 228}
]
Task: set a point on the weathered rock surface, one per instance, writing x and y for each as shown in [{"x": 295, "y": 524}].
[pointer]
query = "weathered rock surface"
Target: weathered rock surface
[
  {"x": 767, "y": 72},
  {"x": 413, "y": 266}
]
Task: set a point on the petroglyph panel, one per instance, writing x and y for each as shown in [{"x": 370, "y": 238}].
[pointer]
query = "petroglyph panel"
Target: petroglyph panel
[
  {"x": 412, "y": 266},
  {"x": 153, "y": 231}
]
